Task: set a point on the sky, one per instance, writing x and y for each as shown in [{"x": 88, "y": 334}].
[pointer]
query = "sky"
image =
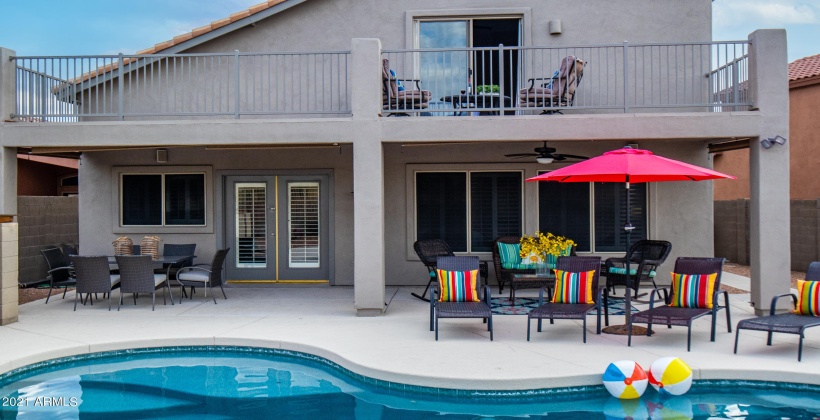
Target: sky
[{"x": 90, "y": 27}]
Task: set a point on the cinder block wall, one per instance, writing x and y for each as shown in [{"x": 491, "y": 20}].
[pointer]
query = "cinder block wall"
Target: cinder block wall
[
  {"x": 44, "y": 221},
  {"x": 732, "y": 231}
]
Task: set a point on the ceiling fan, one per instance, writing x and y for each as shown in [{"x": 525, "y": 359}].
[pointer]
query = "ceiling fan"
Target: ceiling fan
[{"x": 546, "y": 155}]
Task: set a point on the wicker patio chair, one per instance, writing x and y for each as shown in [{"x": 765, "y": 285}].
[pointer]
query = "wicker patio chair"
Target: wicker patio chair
[
  {"x": 647, "y": 254},
  {"x": 93, "y": 276},
  {"x": 673, "y": 315},
  {"x": 60, "y": 271},
  {"x": 203, "y": 275},
  {"x": 553, "y": 311},
  {"x": 787, "y": 323},
  {"x": 69, "y": 249},
  {"x": 504, "y": 275},
  {"x": 479, "y": 309},
  {"x": 176, "y": 250},
  {"x": 428, "y": 251},
  {"x": 137, "y": 276}
]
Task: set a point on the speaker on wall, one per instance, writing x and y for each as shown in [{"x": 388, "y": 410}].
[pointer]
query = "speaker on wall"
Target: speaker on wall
[{"x": 162, "y": 155}]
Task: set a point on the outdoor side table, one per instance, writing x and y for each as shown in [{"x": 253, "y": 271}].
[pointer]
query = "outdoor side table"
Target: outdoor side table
[{"x": 530, "y": 281}]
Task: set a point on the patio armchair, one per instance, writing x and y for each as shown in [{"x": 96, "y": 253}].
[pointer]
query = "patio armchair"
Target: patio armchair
[
  {"x": 690, "y": 297},
  {"x": 573, "y": 274},
  {"x": 137, "y": 276},
  {"x": 556, "y": 91},
  {"x": 176, "y": 250},
  {"x": 428, "y": 251},
  {"x": 795, "y": 322},
  {"x": 395, "y": 95},
  {"x": 463, "y": 301},
  {"x": 504, "y": 270},
  {"x": 647, "y": 254},
  {"x": 60, "y": 271},
  {"x": 203, "y": 275},
  {"x": 93, "y": 276}
]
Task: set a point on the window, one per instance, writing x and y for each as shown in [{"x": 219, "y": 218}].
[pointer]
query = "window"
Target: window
[
  {"x": 494, "y": 200},
  {"x": 592, "y": 214},
  {"x": 163, "y": 199}
]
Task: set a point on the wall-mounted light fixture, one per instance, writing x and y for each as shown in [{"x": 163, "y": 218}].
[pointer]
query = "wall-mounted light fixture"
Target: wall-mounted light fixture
[
  {"x": 771, "y": 141},
  {"x": 555, "y": 27},
  {"x": 162, "y": 155}
]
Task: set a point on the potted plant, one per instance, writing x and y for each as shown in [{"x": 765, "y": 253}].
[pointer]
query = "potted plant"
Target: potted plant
[
  {"x": 543, "y": 248},
  {"x": 487, "y": 89}
]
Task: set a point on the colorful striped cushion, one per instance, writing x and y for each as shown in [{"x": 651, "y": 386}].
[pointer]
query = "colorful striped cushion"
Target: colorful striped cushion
[
  {"x": 808, "y": 298},
  {"x": 519, "y": 266},
  {"x": 573, "y": 287},
  {"x": 458, "y": 286},
  {"x": 632, "y": 271},
  {"x": 509, "y": 254},
  {"x": 693, "y": 290}
]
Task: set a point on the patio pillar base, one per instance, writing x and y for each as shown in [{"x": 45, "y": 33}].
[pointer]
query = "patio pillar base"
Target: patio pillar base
[
  {"x": 623, "y": 330},
  {"x": 369, "y": 312}
]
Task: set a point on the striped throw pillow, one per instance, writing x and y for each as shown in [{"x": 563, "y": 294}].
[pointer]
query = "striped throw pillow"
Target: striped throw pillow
[
  {"x": 458, "y": 286},
  {"x": 573, "y": 287},
  {"x": 509, "y": 254},
  {"x": 808, "y": 298},
  {"x": 693, "y": 290}
]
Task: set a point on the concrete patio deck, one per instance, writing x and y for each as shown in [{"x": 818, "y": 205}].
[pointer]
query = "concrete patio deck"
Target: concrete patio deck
[{"x": 398, "y": 346}]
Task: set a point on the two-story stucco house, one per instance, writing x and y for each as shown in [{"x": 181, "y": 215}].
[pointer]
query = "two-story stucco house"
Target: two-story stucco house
[{"x": 267, "y": 133}]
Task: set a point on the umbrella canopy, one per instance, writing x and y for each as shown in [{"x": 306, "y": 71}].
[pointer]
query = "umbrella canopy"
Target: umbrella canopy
[{"x": 630, "y": 165}]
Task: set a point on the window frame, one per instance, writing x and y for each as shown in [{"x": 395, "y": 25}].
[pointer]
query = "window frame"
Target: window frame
[
  {"x": 117, "y": 195},
  {"x": 413, "y": 193}
]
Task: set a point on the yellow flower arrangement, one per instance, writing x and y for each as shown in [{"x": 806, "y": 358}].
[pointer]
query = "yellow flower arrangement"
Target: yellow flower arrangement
[{"x": 537, "y": 247}]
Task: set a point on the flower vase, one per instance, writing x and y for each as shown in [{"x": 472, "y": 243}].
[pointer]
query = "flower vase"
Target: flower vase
[{"x": 542, "y": 269}]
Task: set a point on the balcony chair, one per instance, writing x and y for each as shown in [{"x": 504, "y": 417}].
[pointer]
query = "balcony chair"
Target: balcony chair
[
  {"x": 687, "y": 308},
  {"x": 203, "y": 275},
  {"x": 93, "y": 276},
  {"x": 460, "y": 305},
  {"x": 795, "y": 322},
  {"x": 566, "y": 305},
  {"x": 428, "y": 251},
  {"x": 60, "y": 271},
  {"x": 137, "y": 276},
  {"x": 557, "y": 91},
  {"x": 647, "y": 254},
  {"x": 395, "y": 95}
]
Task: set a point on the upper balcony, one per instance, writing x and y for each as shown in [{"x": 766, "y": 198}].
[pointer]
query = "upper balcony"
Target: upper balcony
[{"x": 615, "y": 78}]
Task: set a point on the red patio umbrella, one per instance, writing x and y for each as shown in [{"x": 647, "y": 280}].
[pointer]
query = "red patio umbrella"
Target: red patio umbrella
[{"x": 630, "y": 165}]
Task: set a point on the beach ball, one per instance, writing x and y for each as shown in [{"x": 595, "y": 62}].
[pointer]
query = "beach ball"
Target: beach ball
[
  {"x": 625, "y": 379},
  {"x": 670, "y": 376}
]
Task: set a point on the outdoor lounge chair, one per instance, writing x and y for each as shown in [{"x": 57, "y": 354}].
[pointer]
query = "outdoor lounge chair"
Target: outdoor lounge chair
[
  {"x": 552, "y": 311},
  {"x": 428, "y": 251},
  {"x": 137, "y": 276},
  {"x": 683, "y": 316},
  {"x": 60, "y": 271},
  {"x": 468, "y": 309},
  {"x": 504, "y": 275},
  {"x": 788, "y": 323},
  {"x": 93, "y": 276},
  {"x": 647, "y": 254},
  {"x": 203, "y": 275},
  {"x": 395, "y": 95},
  {"x": 557, "y": 91}
]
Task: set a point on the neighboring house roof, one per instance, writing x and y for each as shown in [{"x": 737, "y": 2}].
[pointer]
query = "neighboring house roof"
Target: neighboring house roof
[{"x": 805, "y": 71}]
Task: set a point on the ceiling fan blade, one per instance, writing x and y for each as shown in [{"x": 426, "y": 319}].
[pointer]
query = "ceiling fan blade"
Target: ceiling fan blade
[
  {"x": 566, "y": 156},
  {"x": 521, "y": 154}
]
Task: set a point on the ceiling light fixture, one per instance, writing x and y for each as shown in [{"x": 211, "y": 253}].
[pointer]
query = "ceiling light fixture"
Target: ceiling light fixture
[{"x": 544, "y": 160}]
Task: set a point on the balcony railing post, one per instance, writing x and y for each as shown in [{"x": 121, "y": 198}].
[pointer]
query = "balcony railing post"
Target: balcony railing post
[
  {"x": 500, "y": 79},
  {"x": 626, "y": 76},
  {"x": 120, "y": 85},
  {"x": 236, "y": 84}
]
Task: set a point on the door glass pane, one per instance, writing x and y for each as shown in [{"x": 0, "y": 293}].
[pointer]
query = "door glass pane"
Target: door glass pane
[
  {"x": 303, "y": 224},
  {"x": 251, "y": 225},
  {"x": 496, "y": 207},
  {"x": 441, "y": 208},
  {"x": 563, "y": 209},
  {"x": 444, "y": 73},
  {"x": 610, "y": 215}
]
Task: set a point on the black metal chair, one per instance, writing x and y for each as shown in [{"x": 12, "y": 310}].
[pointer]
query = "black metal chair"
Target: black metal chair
[
  {"x": 176, "y": 250},
  {"x": 203, "y": 275},
  {"x": 60, "y": 271},
  {"x": 137, "y": 276},
  {"x": 787, "y": 323},
  {"x": 504, "y": 275},
  {"x": 673, "y": 315},
  {"x": 428, "y": 251},
  {"x": 69, "y": 249},
  {"x": 479, "y": 309},
  {"x": 93, "y": 276},
  {"x": 553, "y": 311},
  {"x": 647, "y": 254}
]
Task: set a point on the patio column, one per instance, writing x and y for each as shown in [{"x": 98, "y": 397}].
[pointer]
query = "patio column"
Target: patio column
[
  {"x": 770, "y": 253},
  {"x": 368, "y": 180},
  {"x": 8, "y": 236},
  {"x": 7, "y": 84}
]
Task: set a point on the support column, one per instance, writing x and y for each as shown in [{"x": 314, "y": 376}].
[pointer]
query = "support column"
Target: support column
[
  {"x": 8, "y": 236},
  {"x": 368, "y": 180},
  {"x": 770, "y": 250},
  {"x": 7, "y": 84}
]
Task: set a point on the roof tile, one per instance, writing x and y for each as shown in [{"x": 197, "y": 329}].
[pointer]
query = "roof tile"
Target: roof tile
[{"x": 804, "y": 68}]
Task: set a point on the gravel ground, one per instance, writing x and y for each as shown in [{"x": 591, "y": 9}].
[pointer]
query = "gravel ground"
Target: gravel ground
[{"x": 30, "y": 295}]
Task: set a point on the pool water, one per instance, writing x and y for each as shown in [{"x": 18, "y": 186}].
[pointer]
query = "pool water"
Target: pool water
[{"x": 252, "y": 383}]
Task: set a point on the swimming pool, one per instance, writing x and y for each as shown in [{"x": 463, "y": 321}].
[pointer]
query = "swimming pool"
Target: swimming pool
[{"x": 247, "y": 382}]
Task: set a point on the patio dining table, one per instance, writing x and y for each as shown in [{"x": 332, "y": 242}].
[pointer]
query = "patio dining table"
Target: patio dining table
[{"x": 170, "y": 260}]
